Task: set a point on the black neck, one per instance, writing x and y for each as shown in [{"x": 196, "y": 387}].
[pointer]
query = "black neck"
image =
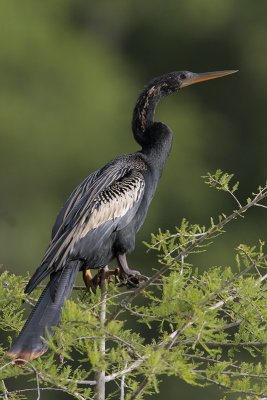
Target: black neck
[
  {"x": 158, "y": 145},
  {"x": 143, "y": 115}
]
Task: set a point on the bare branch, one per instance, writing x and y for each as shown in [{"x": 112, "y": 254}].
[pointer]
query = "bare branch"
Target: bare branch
[
  {"x": 123, "y": 385},
  {"x": 37, "y": 386},
  {"x": 140, "y": 389},
  {"x": 133, "y": 366},
  {"x": 5, "y": 391},
  {"x": 100, "y": 376},
  {"x": 261, "y": 205},
  {"x": 225, "y": 344}
]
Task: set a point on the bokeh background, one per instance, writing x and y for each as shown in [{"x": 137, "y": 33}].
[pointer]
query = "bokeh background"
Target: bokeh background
[{"x": 70, "y": 72}]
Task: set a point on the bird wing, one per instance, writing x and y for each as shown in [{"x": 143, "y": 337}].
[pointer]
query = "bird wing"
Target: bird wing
[
  {"x": 72, "y": 201},
  {"x": 116, "y": 205},
  {"x": 108, "y": 203}
]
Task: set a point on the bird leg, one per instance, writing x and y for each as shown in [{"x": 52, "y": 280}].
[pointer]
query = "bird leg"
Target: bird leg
[
  {"x": 93, "y": 282},
  {"x": 87, "y": 278},
  {"x": 126, "y": 275},
  {"x": 130, "y": 275}
]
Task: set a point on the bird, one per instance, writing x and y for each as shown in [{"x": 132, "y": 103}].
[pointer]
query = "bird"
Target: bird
[{"x": 100, "y": 219}]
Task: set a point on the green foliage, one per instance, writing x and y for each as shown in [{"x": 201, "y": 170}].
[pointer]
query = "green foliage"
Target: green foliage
[
  {"x": 200, "y": 323},
  {"x": 70, "y": 73}
]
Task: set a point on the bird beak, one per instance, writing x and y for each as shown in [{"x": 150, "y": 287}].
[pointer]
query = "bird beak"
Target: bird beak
[{"x": 205, "y": 76}]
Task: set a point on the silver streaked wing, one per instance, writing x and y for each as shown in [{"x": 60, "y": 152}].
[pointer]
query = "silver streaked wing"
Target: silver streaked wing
[
  {"x": 114, "y": 202},
  {"x": 116, "y": 206},
  {"x": 72, "y": 202},
  {"x": 111, "y": 173},
  {"x": 79, "y": 205}
]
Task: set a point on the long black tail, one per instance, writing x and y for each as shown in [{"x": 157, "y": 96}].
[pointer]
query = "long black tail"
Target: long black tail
[{"x": 46, "y": 314}]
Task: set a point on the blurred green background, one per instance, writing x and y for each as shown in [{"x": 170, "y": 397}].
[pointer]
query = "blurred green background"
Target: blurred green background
[{"x": 70, "y": 73}]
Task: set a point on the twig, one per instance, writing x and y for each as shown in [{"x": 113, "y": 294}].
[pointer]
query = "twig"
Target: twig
[
  {"x": 37, "y": 386},
  {"x": 235, "y": 374},
  {"x": 110, "y": 298},
  {"x": 174, "y": 235},
  {"x": 216, "y": 228},
  {"x": 108, "y": 336},
  {"x": 246, "y": 392},
  {"x": 47, "y": 378},
  {"x": 210, "y": 178},
  {"x": 133, "y": 366},
  {"x": 263, "y": 278},
  {"x": 141, "y": 315},
  {"x": 18, "y": 391},
  {"x": 225, "y": 344},
  {"x": 110, "y": 377},
  {"x": 174, "y": 335},
  {"x": 100, "y": 376},
  {"x": 5, "y": 391},
  {"x": 261, "y": 205},
  {"x": 125, "y": 342},
  {"x": 172, "y": 338},
  {"x": 123, "y": 385},
  {"x": 180, "y": 258},
  {"x": 140, "y": 389},
  {"x": 234, "y": 279},
  {"x": 9, "y": 363}
]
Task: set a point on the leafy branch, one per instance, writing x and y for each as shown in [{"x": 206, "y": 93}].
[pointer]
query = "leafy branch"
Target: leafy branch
[
  {"x": 221, "y": 181},
  {"x": 200, "y": 322},
  {"x": 193, "y": 239}
]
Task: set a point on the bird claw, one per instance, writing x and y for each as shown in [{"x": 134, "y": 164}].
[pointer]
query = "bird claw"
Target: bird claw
[
  {"x": 93, "y": 283},
  {"x": 133, "y": 281},
  {"x": 130, "y": 279}
]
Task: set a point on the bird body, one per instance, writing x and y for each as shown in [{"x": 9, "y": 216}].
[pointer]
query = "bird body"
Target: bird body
[{"x": 99, "y": 221}]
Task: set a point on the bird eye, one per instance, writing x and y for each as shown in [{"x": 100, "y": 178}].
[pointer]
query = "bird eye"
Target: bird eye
[{"x": 182, "y": 77}]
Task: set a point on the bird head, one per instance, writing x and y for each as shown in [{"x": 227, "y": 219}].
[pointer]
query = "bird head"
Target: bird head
[
  {"x": 143, "y": 115},
  {"x": 176, "y": 80}
]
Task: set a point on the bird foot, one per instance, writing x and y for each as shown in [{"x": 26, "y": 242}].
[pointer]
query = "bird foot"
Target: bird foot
[
  {"x": 131, "y": 279},
  {"x": 92, "y": 282},
  {"x": 127, "y": 276}
]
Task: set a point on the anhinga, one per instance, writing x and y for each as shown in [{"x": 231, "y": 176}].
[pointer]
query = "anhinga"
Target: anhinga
[{"x": 100, "y": 219}]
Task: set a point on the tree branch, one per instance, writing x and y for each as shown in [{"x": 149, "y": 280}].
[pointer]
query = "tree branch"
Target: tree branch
[
  {"x": 5, "y": 391},
  {"x": 180, "y": 257},
  {"x": 100, "y": 376}
]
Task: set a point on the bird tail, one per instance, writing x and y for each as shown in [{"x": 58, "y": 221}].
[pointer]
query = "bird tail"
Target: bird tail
[{"x": 46, "y": 314}]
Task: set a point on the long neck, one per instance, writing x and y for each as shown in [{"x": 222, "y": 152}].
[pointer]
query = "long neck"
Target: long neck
[
  {"x": 158, "y": 146},
  {"x": 143, "y": 115}
]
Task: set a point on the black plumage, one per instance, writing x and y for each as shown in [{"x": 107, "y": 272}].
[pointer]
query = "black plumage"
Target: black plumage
[{"x": 100, "y": 219}]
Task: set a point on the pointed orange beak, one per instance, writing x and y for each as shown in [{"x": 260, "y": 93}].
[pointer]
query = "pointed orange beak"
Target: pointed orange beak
[{"x": 205, "y": 76}]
